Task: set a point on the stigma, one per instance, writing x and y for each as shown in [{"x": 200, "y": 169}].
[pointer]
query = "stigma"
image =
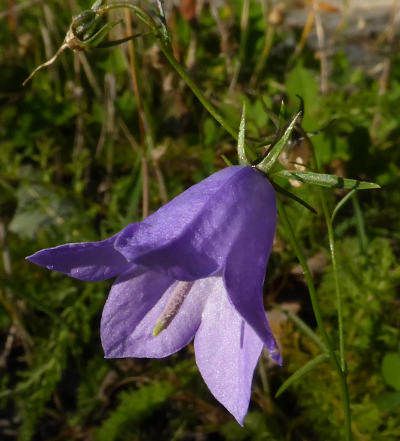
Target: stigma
[{"x": 174, "y": 304}]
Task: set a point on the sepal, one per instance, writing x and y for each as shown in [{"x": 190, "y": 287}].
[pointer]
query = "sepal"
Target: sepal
[{"x": 325, "y": 180}]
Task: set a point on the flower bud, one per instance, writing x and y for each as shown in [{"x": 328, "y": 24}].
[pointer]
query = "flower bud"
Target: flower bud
[{"x": 85, "y": 24}]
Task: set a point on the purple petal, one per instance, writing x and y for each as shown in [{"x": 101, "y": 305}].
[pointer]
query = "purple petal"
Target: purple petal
[
  {"x": 247, "y": 261},
  {"x": 136, "y": 301},
  {"x": 227, "y": 350},
  {"x": 90, "y": 261},
  {"x": 190, "y": 237}
]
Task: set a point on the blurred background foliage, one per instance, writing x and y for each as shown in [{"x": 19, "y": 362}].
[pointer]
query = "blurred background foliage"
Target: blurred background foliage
[{"x": 83, "y": 152}]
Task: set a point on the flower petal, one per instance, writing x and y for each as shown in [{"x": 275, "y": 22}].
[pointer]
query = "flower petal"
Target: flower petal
[
  {"x": 90, "y": 261},
  {"x": 227, "y": 350},
  {"x": 247, "y": 261},
  {"x": 136, "y": 301},
  {"x": 190, "y": 237}
]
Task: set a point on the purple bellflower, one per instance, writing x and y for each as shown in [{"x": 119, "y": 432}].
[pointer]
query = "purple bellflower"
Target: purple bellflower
[{"x": 193, "y": 269}]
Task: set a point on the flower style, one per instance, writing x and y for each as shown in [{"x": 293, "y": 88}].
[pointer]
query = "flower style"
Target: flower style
[{"x": 194, "y": 268}]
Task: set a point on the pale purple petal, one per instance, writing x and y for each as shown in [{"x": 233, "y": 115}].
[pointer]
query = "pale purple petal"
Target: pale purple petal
[
  {"x": 227, "y": 350},
  {"x": 90, "y": 261},
  {"x": 134, "y": 305},
  {"x": 190, "y": 237},
  {"x": 246, "y": 262},
  {"x": 219, "y": 234}
]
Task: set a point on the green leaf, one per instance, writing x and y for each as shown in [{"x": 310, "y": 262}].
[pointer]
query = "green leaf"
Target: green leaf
[
  {"x": 302, "y": 371},
  {"x": 306, "y": 329},
  {"x": 325, "y": 180},
  {"x": 240, "y": 146},
  {"x": 103, "y": 45},
  {"x": 341, "y": 203},
  {"x": 391, "y": 369},
  {"x": 266, "y": 164}
]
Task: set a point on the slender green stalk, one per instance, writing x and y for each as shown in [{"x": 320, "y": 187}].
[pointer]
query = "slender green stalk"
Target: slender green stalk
[
  {"x": 341, "y": 204},
  {"x": 307, "y": 274},
  {"x": 339, "y": 301},
  {"x": 331, "y": 238},
  {"x": 143, "y": 16},
  {"x": 199, "y": 94},
  {"x": 341, "y": 366},
  {"x": 317, "y": 312},
  {"x": 306, "y": 329},
  {"x": 175, "y": 64}
]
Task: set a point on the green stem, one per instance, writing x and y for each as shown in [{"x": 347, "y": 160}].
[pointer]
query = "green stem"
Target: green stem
[
  {"x": 307, "y": 274},
  {"x": 340, "y": 367},
  {"x": 339, "y": 301},
  {"x": 318, "y": 316},
  {"x": 331, "y": 238},
  {"x": 199, "y": 94},
  {"x": 148, "y": 20},
  {"x": 143, "y": 16}
]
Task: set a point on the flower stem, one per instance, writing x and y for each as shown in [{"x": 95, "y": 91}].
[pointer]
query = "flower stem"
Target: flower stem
[
  {"x": 318, "y": 316},
  {"x": 199, "y": 94},
  {"x": 339, "y": 302},
  {"x": 145, "y": 18}
]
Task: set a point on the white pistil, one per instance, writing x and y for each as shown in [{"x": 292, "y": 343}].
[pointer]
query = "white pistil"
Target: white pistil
[{"x": 173, "y": 306}]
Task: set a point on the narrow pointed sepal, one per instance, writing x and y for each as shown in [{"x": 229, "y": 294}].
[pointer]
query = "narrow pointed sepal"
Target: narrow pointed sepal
[
  {"x": 285, "y": 192},
  {"x": 266, "y": 164},
  {"x": 325, "y": 180}
]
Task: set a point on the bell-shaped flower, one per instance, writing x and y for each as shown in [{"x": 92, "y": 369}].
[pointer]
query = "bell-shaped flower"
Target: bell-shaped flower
[{"x": 193, "y": 269}]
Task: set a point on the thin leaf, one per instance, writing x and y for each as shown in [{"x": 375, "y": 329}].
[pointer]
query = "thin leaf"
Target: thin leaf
[
  {"x": 111, "y": 43},
  {"x": 285, "y": 192},
  {"x": 325, "y": 180},
  {"x": 341, "y": 203},
  {"x": 240, "y": 145},
  {"x": 266, "y": 164},
  {"x": 306, "y": 329},
  {"x": 308, "y": 367}
]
